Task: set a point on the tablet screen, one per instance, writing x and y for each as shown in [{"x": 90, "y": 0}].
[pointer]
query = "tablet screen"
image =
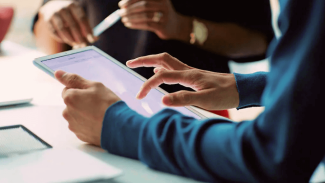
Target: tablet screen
[{"x": 93, "y": 66}]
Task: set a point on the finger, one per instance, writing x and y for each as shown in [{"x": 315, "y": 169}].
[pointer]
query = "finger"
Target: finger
[
  {"x": 138, "y": 18},
  {"x": 64, "y": 33},
  {"x": 167, "y": 77},
  {"x": 71, "y": 80},
  {"x": 64, "y": 91},
  {"x": 66, "y": 115},
  {"x": 163, "y": 60},
  {"x": 158, "y": 69},
  {"x": 69, "y": 115},
  {"x": 148, "y": 26},
  {"x": 143, "y": 21},
  {"x": 54, "y": 32},
  {"x": 81, "y": 17},
  {"x": 82, "y": 137},
  {"x": 183, "y": 98},
  {"x": 71, "y": 97},
  {"x": 126, "y": 3},
  {"x": 72, "y": 25},
  {"x": 141, "y": 6}
]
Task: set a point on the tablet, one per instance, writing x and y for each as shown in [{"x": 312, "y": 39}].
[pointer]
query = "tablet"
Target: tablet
[
  {"x": 17, "y": 139},
  {"x": 94, "y": 64}
]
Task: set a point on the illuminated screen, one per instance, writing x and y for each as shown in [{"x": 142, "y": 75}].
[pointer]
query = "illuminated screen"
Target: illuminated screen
[{"x": 93, "y": 66}]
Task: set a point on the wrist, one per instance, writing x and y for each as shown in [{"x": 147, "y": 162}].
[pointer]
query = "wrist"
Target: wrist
[
  {"x": 232, "y": 88},
  {"x": 185, "y": 27},
  {"x": 226, "y": 90},
  {"x": 250, "y": 88},
  {"x": 121, "y": 130}
]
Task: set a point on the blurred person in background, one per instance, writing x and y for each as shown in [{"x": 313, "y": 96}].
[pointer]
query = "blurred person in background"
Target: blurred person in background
[{"x": 205, "y": 34}]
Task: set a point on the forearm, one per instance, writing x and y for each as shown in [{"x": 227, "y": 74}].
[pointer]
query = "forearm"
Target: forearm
[
  {"x": 210, "y": 150},
  {"x": 227, "y": 39},
  {"x": 157, "y": 141}
]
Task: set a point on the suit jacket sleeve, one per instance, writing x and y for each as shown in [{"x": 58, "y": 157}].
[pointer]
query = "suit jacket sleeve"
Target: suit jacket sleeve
[
  {"x": 284, "y": 144},
  {"x": 250, "y": 88}
]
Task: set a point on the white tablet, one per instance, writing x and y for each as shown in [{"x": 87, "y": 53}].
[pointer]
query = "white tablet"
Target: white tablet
[{"x": 94, "y": 64}]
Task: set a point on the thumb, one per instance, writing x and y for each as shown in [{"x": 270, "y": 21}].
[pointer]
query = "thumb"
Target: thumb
[
  {"x": 71, "y": 80},
  {"x": 181, "y": 98}
]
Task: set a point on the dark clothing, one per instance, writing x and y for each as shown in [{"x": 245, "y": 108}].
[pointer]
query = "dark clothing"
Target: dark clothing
[
  {"x": 124, "y": 44},
  {"x": 283, "y": 144},
  {"x": 250, "y": 88}
]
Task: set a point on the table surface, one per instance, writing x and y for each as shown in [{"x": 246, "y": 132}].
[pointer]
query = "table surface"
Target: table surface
[{"x": 44, "y": 115}]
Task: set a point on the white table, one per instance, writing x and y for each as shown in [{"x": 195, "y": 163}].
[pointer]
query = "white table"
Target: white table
[{"x": 43, "y": 115}]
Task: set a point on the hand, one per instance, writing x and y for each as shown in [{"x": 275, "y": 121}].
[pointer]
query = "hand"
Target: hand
[
  {"x": 87, "y": 102},
  {"x": 158, "y": 16},
  {"x": 213, "y": 91},
  {"x": 67, "y": 23}
]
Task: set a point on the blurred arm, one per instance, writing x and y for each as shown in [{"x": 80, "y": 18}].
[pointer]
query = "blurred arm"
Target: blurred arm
[{"x": 227, "y": 39}]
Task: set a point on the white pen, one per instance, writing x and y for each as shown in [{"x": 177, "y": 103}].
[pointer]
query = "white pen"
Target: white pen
[{"x": 109, "y": 21}]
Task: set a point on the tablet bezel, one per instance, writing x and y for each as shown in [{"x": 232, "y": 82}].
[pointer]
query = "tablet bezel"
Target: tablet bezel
[{"x": 38, "y": 63}]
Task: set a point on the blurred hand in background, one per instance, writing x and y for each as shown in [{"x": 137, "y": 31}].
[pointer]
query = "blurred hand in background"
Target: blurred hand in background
[
  {"x": 67, "y": 23},
  {"x": 158, "y": 16}
]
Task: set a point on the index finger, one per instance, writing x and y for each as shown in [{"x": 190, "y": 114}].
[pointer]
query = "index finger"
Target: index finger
[
  {"x": 167, "y": 77},
  {"x": 163, "y": 60},
  {"x": 81, "y": 17},
  {"x": 126, "y": 3}
]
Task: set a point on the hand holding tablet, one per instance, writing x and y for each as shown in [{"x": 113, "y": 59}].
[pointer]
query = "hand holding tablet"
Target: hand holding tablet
[
  {"x": 87, "y": 74},
  {"x": 95, "y": 65},
  {"x": 87, "y": 102}
]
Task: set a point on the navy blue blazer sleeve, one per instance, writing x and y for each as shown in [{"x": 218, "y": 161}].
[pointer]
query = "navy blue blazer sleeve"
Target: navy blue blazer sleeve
[
  {"x": 250, "y": 88},
  {"x": 284, "y": 144}
]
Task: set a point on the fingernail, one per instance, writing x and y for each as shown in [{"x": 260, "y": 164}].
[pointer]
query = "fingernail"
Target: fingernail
[
  {"x": 129, "y": 62},
  {"x": 128, "y": 25},
  {"x": 156, "y": 70},
  {"x": 122, "y": 11},
  {"x": 125, "y": 20},
  {"x": 75, "y": 46},
  {"x": 123, "y": 2},
  {"x": 63, "y": 73},
  {"x": 168, "y": 100},
  {"x": 82, "y": 45},
  {"x": 90, "y": 38},
  {"x": 138, "y": 96}
]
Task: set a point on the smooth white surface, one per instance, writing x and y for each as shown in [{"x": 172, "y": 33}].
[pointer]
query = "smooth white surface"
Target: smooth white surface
[
  {"x": 43, "y": 116},
  {"x": 55, "y": 165}
]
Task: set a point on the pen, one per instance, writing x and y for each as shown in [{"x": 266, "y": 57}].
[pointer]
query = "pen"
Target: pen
[{"x": 109, "y": 21}]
